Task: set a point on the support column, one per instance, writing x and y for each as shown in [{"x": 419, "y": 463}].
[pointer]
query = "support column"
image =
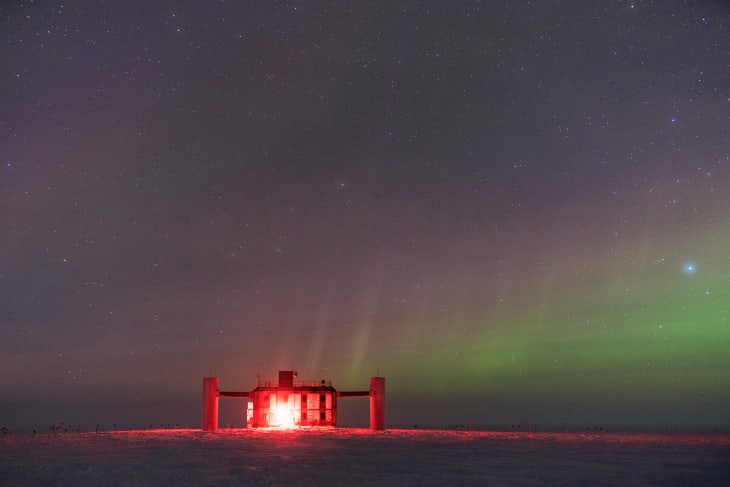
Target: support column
[
  {"x": 377, "y": 403},
  {"x": 210, "y": 403}
]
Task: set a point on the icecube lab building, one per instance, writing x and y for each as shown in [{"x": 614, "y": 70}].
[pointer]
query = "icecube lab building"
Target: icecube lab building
[{"x": 292, "y": 403}]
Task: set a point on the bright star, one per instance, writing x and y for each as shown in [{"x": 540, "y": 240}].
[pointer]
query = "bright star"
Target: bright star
[{"x": 689, "y": 268}]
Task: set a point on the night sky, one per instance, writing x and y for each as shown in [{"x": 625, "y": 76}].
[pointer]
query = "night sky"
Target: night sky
[{"x": 516, "y": 212}]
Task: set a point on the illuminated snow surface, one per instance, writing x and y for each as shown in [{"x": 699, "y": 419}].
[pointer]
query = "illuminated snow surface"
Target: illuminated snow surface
[{"x": 361, "y": 457}]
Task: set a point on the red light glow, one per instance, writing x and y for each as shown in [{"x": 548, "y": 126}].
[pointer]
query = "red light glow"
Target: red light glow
[{"x": 283, "y": 417}]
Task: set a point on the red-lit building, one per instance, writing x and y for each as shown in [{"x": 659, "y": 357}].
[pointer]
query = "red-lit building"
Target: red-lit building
[{"x": 291, "y": 403}]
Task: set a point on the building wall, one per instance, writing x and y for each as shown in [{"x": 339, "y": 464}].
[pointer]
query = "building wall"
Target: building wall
[{"x": 274, "y": 406}]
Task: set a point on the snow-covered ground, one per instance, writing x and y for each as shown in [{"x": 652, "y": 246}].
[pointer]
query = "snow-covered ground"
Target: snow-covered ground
[{"x": 360, "y": 457}]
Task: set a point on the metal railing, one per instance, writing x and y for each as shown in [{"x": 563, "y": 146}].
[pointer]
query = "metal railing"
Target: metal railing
[{"x": 297, "y": 383}]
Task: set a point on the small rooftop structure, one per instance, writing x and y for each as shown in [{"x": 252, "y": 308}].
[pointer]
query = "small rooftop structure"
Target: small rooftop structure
[{"x": 291, "y": 403}]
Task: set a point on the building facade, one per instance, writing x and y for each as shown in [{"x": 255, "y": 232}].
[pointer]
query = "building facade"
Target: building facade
[{"x": 291, "y": 403}]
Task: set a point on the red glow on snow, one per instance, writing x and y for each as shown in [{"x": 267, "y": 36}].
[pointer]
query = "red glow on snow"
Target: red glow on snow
[
  {"x": 424, "y": 436},
  {"x": 326, "y": 456}
]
